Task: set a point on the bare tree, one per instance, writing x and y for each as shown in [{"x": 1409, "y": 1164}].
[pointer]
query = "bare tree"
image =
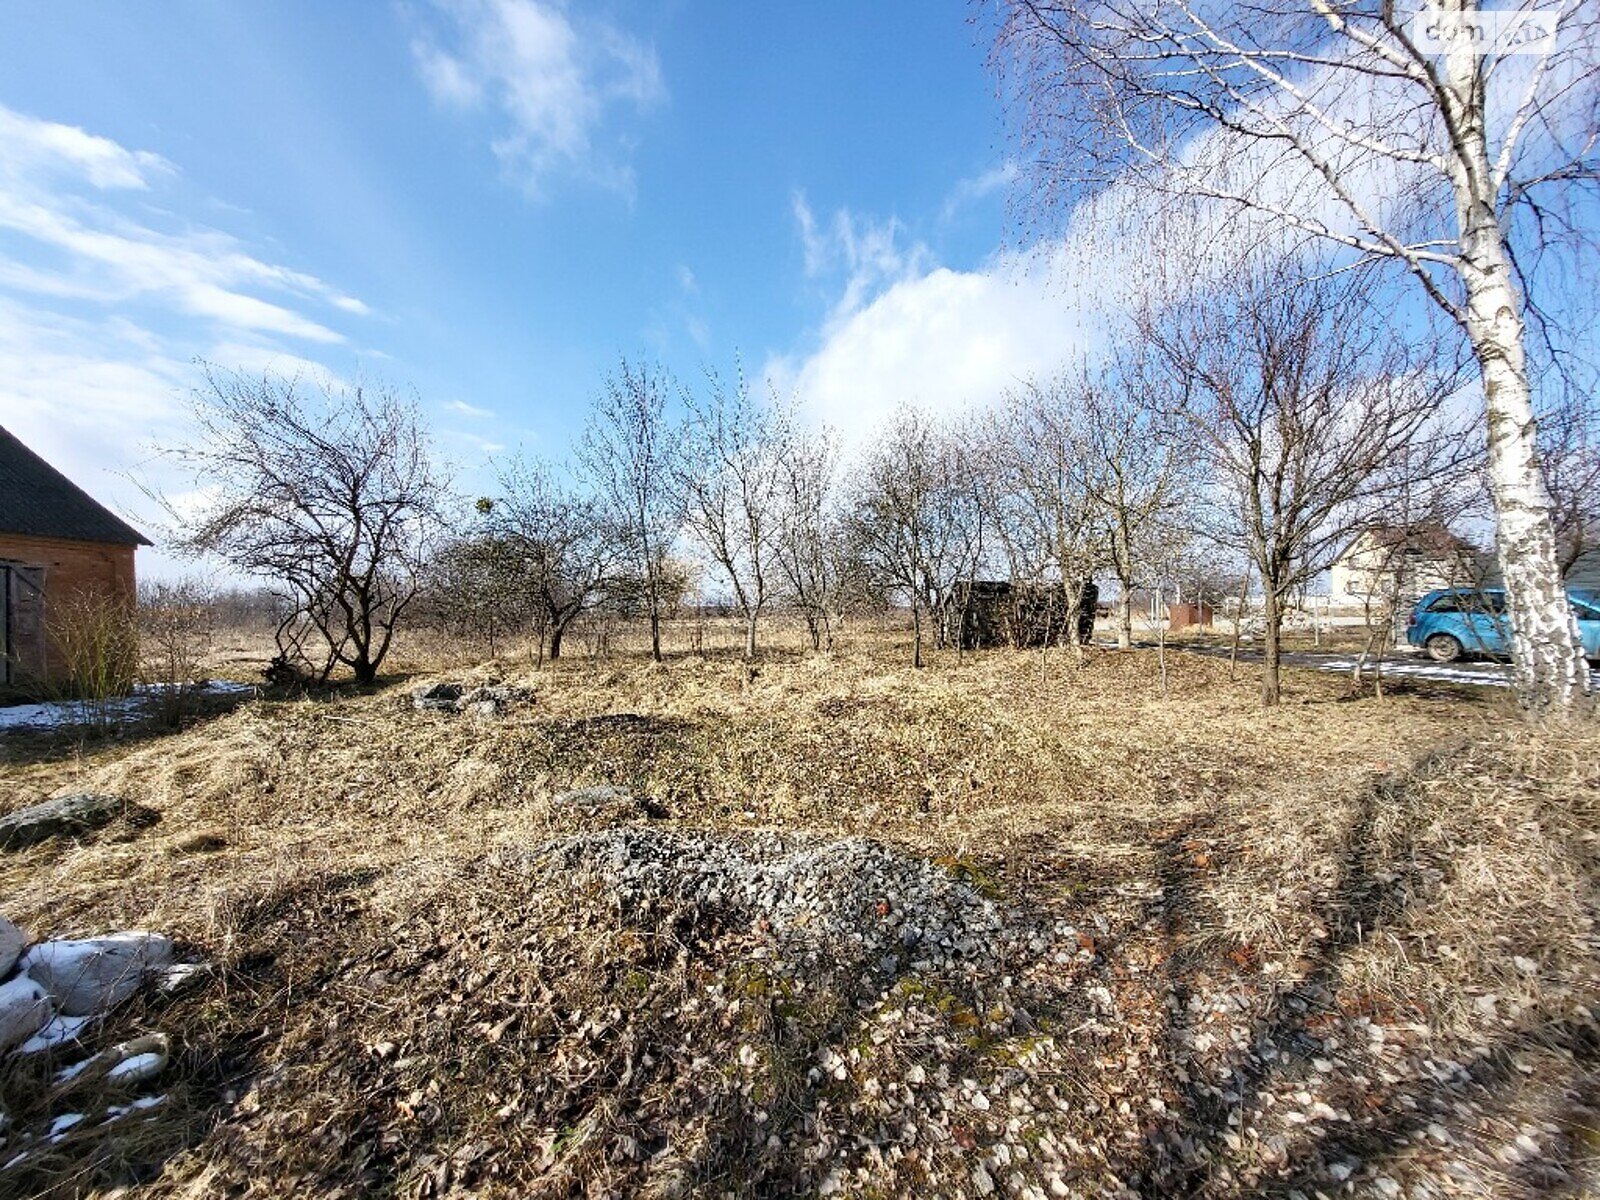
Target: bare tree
[
  {"x": 1314, "y": 419},
  {"x": 329, "y": 494},
  {"x": 907, "y": 517},
  {"x": 730, "y": 476},
  {"x": 1428, "y": 139},
  {"x": 1135, "y": 453},
  {"x": 1572, "y": 471},
  {"x": 808, "y": 547},
  {"x": 570, "y": 550},
  {"x": 480, "y": 586},
  {"x": 1046, "y": 520},
  {"x": 630, "y": 455}
]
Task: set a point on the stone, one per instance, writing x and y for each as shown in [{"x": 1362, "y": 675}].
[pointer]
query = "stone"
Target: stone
[
  {"x": 59, "y": 815},
  {"x": 496, "y": 696},
  {"x": 96, "y": 974},
  {"x": 438, "y": 697},
  {"x": 12, "y": 943},
  {"x": 25, "y": 1008},
  {"x": 609, "y": 800}
]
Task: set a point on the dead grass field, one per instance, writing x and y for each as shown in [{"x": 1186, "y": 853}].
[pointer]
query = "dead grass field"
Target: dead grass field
[{"x": 1342, "y": 947}]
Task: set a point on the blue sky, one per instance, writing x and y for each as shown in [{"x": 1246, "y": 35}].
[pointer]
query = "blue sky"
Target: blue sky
[{"x": 489, "y": 200}]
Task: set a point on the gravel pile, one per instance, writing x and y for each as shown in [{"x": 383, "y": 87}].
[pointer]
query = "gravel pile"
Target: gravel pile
[{"x": 853, "y": 901}]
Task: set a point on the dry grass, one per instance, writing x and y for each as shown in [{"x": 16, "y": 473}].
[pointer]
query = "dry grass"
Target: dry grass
[{"x": 401, "y": 1008}]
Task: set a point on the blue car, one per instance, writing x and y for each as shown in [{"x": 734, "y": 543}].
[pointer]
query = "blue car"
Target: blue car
[{"x": 1455, "y": 621}]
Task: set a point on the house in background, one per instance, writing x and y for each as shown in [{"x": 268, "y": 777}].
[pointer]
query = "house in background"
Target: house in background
[
  {"x": 1397, "y": 564},
  {"x": 56, "y": 541}
]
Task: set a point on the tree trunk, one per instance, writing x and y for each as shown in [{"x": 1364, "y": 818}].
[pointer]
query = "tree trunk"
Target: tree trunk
[
  {"x": 1550, "y": 671},
  {"x": 1271, "y": 633},
  {"x": 1551, "y": 674},
  {"x": 916, "y": 635},
  {"x": 655, "y": 630},
  {"x": 1125, "y": 618},
  {"x": 750, "y": 634},
  {"x": 555, "y": 639}
]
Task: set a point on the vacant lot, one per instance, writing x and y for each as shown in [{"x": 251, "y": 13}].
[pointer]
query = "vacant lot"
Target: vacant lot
[{"x": 1001, "y": 926}]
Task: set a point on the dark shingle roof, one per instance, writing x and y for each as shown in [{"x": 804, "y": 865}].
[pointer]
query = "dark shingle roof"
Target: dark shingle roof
[{"x": 37, "y": 500}]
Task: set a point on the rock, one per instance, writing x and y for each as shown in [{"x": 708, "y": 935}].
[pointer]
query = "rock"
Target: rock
[
  {"x": 25, "y": 1008},
  {"x": 96, "y": 974},
  {"x": 439, "y": 697},
  {"x": 609, "y": 801},
  {"x": 58, "y": 815},
  {"x": 491, "y": 701},
  {"x": 12, "y": 943}
]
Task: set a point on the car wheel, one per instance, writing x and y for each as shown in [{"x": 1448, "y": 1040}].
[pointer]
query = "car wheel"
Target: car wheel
[{"x": 1443, "y": 648}]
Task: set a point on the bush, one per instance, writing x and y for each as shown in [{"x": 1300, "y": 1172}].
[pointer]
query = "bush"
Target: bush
[
  {"x": 98, "y": 640},
  {"x": 176, "y": 623}
]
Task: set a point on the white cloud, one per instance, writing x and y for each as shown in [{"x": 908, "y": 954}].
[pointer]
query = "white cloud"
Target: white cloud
[
  {"x": 978, "y": 187},
  {"x": 901, "y": 328},
  {"x": 31, "y": 146},
  {"x": 553, "y": 83},
  {"x": 463, "y": 409},
  {"x": 106, "y": 301},
  {"x": 945, "y": 340},
  {"x": 95, "y": 253},
  {"x": 866, "y": 252}
]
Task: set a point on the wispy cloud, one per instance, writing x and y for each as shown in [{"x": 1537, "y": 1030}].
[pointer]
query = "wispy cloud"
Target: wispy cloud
[
  {"x": 462, "y": 409},
  {"x": 978, "y": 187},
  {"x": 553, "y": 82},
  {"x": 95, "y": 252},
  {"x": 106, "y": 300},
  {"x": 868, "y": 253},
  {"x": 32, "y": 146}
]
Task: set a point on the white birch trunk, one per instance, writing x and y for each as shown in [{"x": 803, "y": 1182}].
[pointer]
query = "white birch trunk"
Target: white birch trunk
[{"x": 1550, "y": 671}]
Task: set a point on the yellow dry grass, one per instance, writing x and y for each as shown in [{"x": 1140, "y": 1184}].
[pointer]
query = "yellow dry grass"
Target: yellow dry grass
[{"x": 1412, "y": 855}]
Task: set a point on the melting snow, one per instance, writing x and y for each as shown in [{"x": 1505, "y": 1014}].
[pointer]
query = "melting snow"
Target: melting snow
[
  {"x": 57, "y": 714},
  {"x": 140, "y": 1066},
  {"x": 57, "y": 1033}
]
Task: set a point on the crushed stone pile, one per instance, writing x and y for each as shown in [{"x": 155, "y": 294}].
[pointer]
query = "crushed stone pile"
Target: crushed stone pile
[{"x": 849, "y": 901}]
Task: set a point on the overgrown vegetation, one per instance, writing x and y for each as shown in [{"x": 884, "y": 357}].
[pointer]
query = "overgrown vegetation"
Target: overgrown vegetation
[{"x": 1239, "y": 951}]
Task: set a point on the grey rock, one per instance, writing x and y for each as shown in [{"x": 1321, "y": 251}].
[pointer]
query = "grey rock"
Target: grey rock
[
  {"x": 608, "y": 800},
  {"x": 12, "y": 942},
  {"x": 440, "y": 697},
  {"x": 25, "y": 1009},
  {"x": 500, "y": 695},
  {"x": 77, "y": 813},
  {"x": 96, "y": 974}
]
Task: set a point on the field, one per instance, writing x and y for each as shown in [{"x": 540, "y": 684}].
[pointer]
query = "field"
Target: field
[{"x": 1008, "y": 925}]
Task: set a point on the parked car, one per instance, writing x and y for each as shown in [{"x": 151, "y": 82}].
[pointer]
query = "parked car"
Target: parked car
[{"x": 1451, "y": 622}]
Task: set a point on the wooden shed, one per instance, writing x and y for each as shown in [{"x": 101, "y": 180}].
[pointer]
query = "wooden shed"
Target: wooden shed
[{"x": 55, "y": 541}]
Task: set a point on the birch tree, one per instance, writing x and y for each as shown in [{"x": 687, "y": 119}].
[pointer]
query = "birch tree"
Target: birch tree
[
  {"x": 1456, "y": 142},
  {"x": 907, "y": 515},
  {"x": 1047, "y": 522},
  {"x": 1135, "y": 454}
]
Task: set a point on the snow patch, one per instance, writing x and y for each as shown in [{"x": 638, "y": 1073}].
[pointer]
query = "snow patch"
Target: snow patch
[{"x": 62, "y": 714}]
